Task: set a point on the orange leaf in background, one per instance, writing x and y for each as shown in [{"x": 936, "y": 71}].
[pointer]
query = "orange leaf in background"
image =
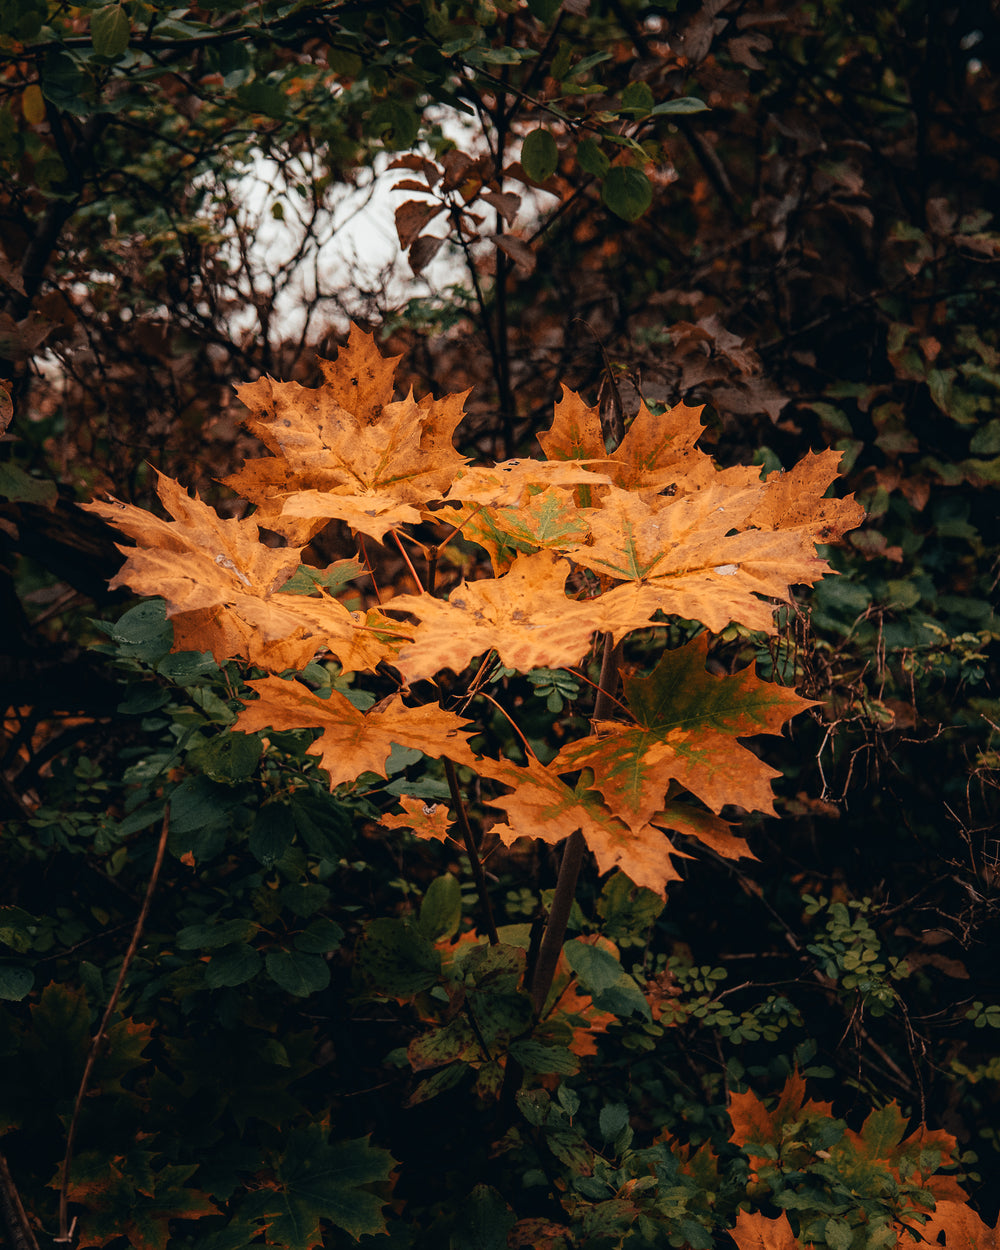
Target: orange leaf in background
[
  {"x": 524, "y": 616},
  {"x": 346, "y": 450},
  {"x": 963, "y": 1229},
  {"x": 354, "y": 742},
  {"x": 757, "y": 1232},
  {"x": 431, "y": 821},
  {"x": 753, "y": 1123}
]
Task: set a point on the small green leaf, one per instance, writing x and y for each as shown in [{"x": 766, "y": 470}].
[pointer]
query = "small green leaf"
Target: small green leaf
[
  {"x": 544, "y": 10},
  {"x": 535, "y": 1057},
  {"x": 591, "y": 159},
  {"x": 637, "y": 99},
  {"x": 20, "y": 487},
  {"x": 484, "y": 1220},
  {"x": 613, "y": 1119},
  {"x": 627, "y": 192},
  {"x": 272, "y": 832},
  {"x": 109, "y": 30},
  {"x": 211, "y": 936},
  {"x": 297, "y": 972},
  {"x": 15, "y": 982},
  {"x": 686, "y": 104},
  {"x": 233, "y": 965},
  {"x": 539, "y": 155},
  {"x": 321, "y": 936},
  {"x": 441, "y": 909},
  {"x": 397, "y": 958}
]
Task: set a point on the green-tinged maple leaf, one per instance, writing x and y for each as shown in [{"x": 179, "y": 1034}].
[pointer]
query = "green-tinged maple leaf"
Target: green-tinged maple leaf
[
  {"x": 347, "y": 450},
  {"x": 524, "y": 616},
  {"x": 352, "y": 741},
  {"x": 548, "y": 519},
  {"x": 686, "y": 726},
  {"x": 123, "y": 1196},
  {"x": 320, "y": 1181},
  {"x": 221, "y": 586}
]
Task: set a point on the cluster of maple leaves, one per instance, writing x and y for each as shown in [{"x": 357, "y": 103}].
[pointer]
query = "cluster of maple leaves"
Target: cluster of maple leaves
[{"x": 582, "y": 543}]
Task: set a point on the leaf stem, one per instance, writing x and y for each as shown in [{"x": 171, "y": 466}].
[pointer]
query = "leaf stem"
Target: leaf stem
[
  {"x": 99, "y": 1037},
  {"x": 569, "y": 870},
  {"x": 471, "y": 850}
]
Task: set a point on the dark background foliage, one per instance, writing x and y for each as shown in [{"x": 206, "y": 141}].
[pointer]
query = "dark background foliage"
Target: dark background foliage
[{"x": 816, "y": 264}]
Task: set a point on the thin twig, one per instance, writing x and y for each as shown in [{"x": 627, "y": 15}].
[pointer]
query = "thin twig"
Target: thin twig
[
  {"x": 65, "y": 1235},
  {"x": 16, "y": 1229},
  {"x": 472, "y": 850}
]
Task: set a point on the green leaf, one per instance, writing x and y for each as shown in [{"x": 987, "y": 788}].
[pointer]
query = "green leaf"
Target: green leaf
[
  {"x": 483, "y": 1222},
  {"x": 536, "y": 1057},
  {"x": 322, "y": 1182},
  {"x": 321, "y": 936},
  {"x": 305, "y": 580},
  {"x": 610, "y": 986},
  {"x": 272, "y": 832},
  {"x": 397, "y": 958},
  {"x": 229, "y": 757},
  {"x": 627, "y": 192},
  {"x": 544, "y": 10},
  {"x": 539, "y": 155},
  {"x": 591, "y": 159},
  {"x": 395, "y": 124},
  {"x": 637, "y": 99},
  {"x": 17, "y": 928},
  {"x": 686, "y": 104},
  {"x": 628, "y": 910},
  {"x": 109, "y": 31},
  {"x": 15, "y": 982},
  {"x": 613, "y": 1119},
  {"x": 20, "y": 487},
  {"x": 211, "y": 936},
  {"x": 233, "y": 965},
  {"x": 144, "y": 631},
  {"x": 305, "y": 899},
  {"x": 441, "y": 909},
  {"x": 298, "y": 972}
]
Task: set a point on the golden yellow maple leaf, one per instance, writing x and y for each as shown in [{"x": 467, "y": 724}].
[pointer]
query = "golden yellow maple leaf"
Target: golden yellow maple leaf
[
  {"x": 347, "y": 450},
  {"x": 221, "y": 585}
]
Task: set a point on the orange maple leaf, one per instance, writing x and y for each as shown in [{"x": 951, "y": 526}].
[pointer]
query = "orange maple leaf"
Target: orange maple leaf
[
  {"x": 346, "y": 450},
  {"x": 710, "y": 555},
  {"x": 525, "y": 616},
  {"x": 544, "y": 806},
  {"x": 352, "y": 741},
  {"x": 754, "y": 1124},
  {"x": 221, "y": 585},
  {"x": 431, "y": 821},
  {"x": 963, "y": 1229},
  {"x": 658, "y": 451},
  {"x": 757, "y": 1232}
]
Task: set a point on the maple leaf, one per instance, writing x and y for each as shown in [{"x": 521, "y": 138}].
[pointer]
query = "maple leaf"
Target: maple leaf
[
  {"x": 510, "y": 483},
  {"x": 657, "y": 452},
  {"x": 548, "y": 519},
  {"x": 710, "y": 555},
  {"x": 346, "y": 450},
  {"x": 686, "y": 722},
  {"x": 963, "y": 1229},
  {"x": 544, "y": 806},
  {"x": 431, "y": 821},
  {"x": 525, "y": 616},
  {"x": 352, "y": 741},
  {"x": 754, "y": 1125},
  {"x": 221, "y": 585},
  {"x": 757, "y": 1232},
  {"x": 322, "y": 1181}
]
